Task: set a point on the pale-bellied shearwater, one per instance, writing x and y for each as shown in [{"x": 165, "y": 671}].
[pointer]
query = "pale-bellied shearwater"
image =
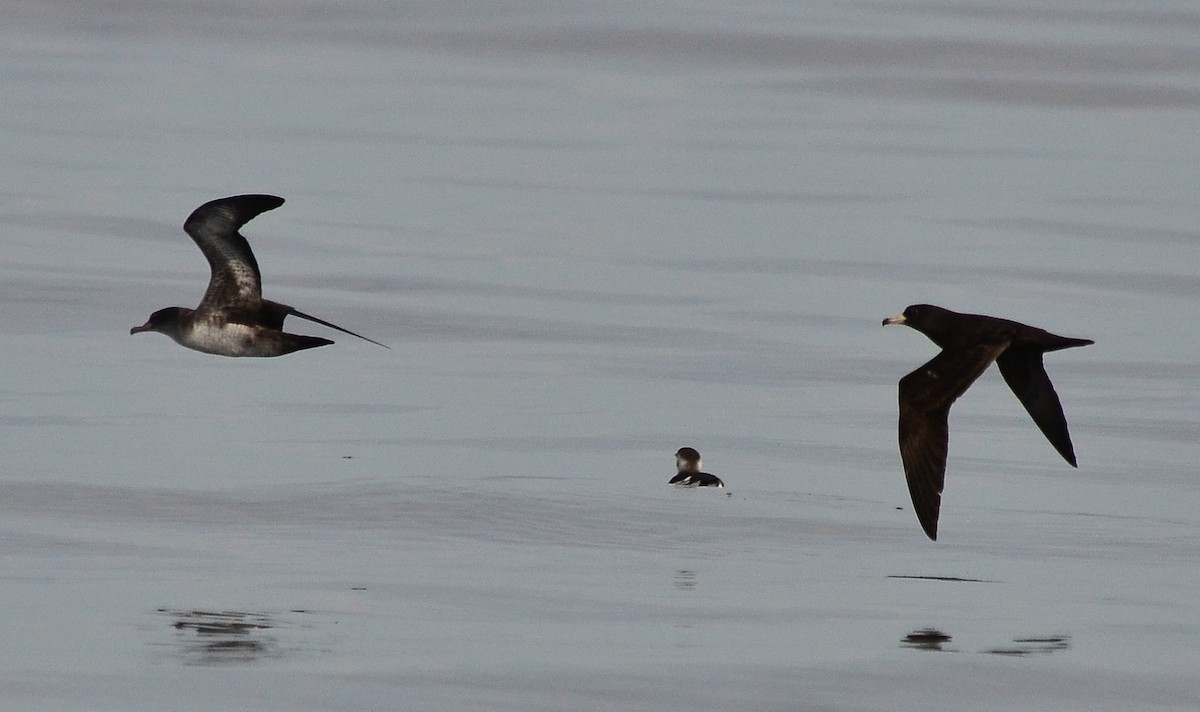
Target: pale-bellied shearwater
[{"x": 233, "y": 319}]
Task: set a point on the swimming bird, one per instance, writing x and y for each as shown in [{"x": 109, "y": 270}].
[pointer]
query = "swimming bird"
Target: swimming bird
[
  {"x": 970, "y": 343},
  {"x": 232, "y": 318},
  {"x": 687, "y": 461}
]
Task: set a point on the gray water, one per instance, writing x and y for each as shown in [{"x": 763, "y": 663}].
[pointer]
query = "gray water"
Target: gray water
[{"x": 592, "y": 234}]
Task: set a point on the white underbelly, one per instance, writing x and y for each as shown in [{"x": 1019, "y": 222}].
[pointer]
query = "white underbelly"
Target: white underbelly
[{"x": 228, "y": 339}]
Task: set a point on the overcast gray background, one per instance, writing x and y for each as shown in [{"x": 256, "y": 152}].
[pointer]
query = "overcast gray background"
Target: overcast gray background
[{"x": 593, "y": 234}]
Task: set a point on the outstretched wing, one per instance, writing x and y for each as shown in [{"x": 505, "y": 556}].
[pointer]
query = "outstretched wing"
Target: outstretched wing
[
  {"x": 235, "y": 282},
  {"x": 925, "y": 397},
  {"x": 1026, "y": 376},
  {"x": 272, "y": 315}
]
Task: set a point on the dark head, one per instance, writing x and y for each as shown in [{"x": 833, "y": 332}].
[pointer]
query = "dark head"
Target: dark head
[
  {"x": 942, "y": 326},
  {"x": 925, "y": 318},
  {"x": 687, "y": 460},
  {"x": 164, "y": 321}
]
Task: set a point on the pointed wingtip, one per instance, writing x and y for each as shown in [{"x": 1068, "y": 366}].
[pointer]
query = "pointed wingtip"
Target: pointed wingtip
[
  {"x": 235, "y": 210},
  {"x": 293, "y": 311},
  {"x": 365, "y": 338}
]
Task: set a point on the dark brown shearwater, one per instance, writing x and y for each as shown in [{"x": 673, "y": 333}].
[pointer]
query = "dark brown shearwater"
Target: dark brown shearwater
[
  {"x": 687, "y": 461},
  {"x": 970, "y": 343},
  {"x": 233, "y": 319}
]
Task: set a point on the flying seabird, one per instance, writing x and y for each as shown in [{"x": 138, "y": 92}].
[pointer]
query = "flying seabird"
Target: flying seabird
[
  {"x": 970, "y": 343},
  {"x": 687, "y": 461},
  {"x": 233, "y": 319}
]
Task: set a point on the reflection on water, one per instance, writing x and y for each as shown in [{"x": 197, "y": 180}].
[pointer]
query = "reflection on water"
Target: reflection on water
[
  {"x": 685, "y": 580},
  {"x": 1034, "y": 646},
  {"x": 960, "y": 579},
  {"x": 204, "y": 637},
  {"x": 926, "y": 639},
  {"x": 936, "y": 640},
  {"x": 223, "y": 637}
]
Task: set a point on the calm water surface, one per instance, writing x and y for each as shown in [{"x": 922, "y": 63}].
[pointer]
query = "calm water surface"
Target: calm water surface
[{"x": 591, "y": 235}]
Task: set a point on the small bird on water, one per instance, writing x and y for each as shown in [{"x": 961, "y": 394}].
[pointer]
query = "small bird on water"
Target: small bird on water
[
  {"x": 233, "y": 319},
  {"x": 970, "y": 343},
  {"x": 687, "y": 461}
]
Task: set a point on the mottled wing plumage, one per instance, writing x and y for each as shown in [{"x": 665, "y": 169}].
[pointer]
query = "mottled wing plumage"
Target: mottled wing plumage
[
  {"x": 925, "y": 397},
  {"x": 233, "y": 319},
  {"x": 235, "y": 282}
]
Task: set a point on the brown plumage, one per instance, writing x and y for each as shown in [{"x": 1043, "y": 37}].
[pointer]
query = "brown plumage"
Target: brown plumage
[
  {"x": 232, "y": 318},
  {"x": 970, "y": 343}
]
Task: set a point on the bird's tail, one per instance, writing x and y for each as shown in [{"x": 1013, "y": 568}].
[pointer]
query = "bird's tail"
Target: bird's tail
[{"x": 1066, "y": 342}]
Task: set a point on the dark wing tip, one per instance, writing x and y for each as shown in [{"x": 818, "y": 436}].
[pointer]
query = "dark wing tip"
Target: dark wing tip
[
  {"x": 238, "y": 209},
  {"x": 295, "y": 312},
  {"x": 927, "y": 504},
  {"x": 925, "y": 476},
  {"x": 930, "y": 527},
  {"x": 924, "y": 440}
]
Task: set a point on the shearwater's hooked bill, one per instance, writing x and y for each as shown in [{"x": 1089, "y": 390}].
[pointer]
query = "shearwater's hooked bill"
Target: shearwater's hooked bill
[
  {"x": 233, "y": 319},
  {"x": 970, "y": 343}
]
